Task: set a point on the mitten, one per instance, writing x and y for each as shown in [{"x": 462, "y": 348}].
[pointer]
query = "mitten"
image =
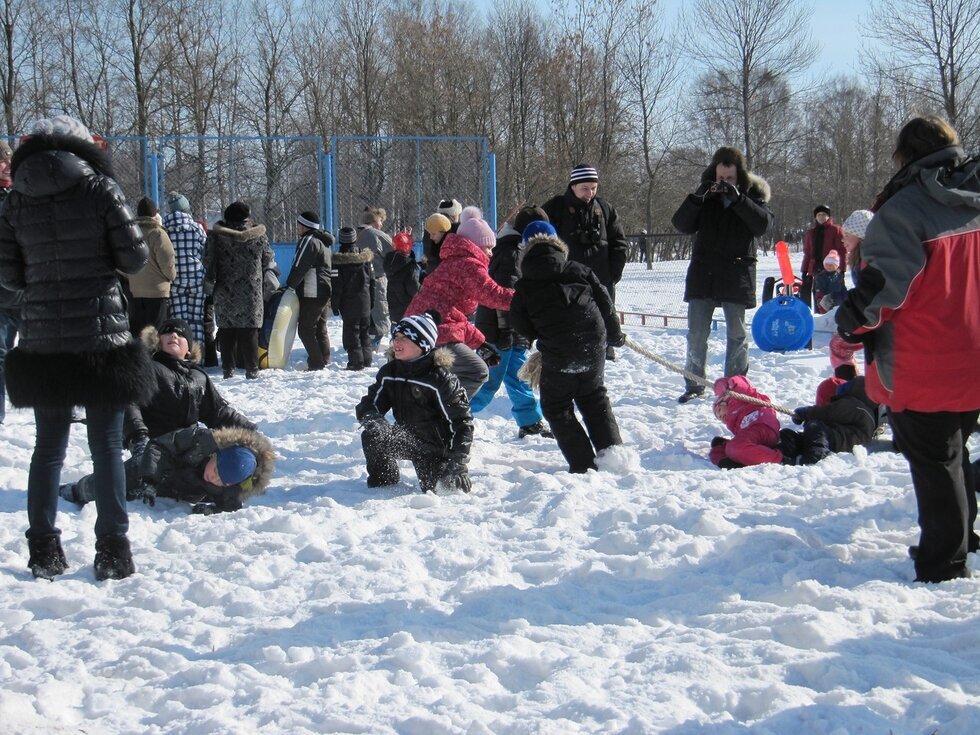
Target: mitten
[
  {"x": 850, "y": 337},
  {"x": 204, "y": 509},
  {"x": 336, "y": 312},
  {"x": 505, "y": 339},
  {"x": 703, "y": 188},
  {"x": 455, "y": 477},
  {"x": 137, "y": 445},
  {"x": 617, "y": 340},
  {"x": 146, "y": 492},
  {"x": 488, "y": 355},
  {"x": 799, "y": 414}
]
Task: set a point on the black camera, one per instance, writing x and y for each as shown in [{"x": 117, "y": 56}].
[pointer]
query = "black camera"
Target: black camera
[{"x": 590, "y": 238}]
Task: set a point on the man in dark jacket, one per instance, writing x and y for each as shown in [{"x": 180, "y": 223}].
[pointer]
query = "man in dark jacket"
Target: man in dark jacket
[
  {"x": 185, "y": 395},
  {"x": 725, "y": 214},
  {"x": 590, "y": 228},
  {"x": 351, "y": 299},
  {"x": 563, "y": 306},
  {"x": 309, "y": 277},
  {"x": 65, "y": 231},
  {"x": 9, "y": 300}
]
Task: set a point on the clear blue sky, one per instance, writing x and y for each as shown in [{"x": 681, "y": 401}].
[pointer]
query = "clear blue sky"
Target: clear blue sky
[{"x": 836, "y": 25}]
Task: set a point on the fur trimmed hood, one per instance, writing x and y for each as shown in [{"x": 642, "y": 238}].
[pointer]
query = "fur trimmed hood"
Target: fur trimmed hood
[
  {"x": 265, "y": 456},
  {"x": 151, "y": 338},
  {"x": 747, "y": 183},
  {"x": 352, "y": 257},
  {"x": 151, "y": 223},
  {"x": 249, "y": 233},
  {"x": 441, "y": 357},
  {"x": 540, "y": 241},
  {"x": 89, "y": 152}
]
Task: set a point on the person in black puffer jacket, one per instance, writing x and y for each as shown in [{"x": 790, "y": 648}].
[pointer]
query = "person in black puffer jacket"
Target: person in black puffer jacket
[
  {"x": 562, "y": 305},
  {"x": 309, "y": 277},
  {"x": 65, "y": 230},
  {"x": 496, "y": 327},
  {"x": 185, "y": 395}
]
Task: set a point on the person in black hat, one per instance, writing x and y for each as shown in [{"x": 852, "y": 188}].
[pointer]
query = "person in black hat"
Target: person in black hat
[
  {"x": 590, "y": 227},
  {"x": 353, "y": 290},
  {"x": 236, "y": 259},
  {"x": 309, "y": 276},
  {"x": 823, "y": 237}
]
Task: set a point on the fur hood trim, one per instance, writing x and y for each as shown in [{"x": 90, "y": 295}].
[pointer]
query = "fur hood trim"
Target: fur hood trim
[
  {"x": 530, "y": 371},
  {"x": 85, "y": 150},
  {"x": 151, "y": 223},
  {"x": 544, "y": 241},
  {"x": 249, "y": 233},
  {"x": 750, "y": 182},
  {"x": 265, "y": 456},
  {"x": 358, "y": 257},
  {"x": 151, "y": 338},
  {"x": 441, "y": 357}
]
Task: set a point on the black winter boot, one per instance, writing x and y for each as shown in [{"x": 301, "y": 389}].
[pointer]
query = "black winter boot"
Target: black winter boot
[
  {"x": 690, "y": 394},
  {"x": 535, "y": 429},
  {"x": 791, "y": 445},
  {"x": 47, "y": 559},
  {"x": 113, "y": 558}
]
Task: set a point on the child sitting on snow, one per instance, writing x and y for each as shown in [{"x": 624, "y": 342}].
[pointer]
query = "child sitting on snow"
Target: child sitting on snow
[
  {"x": 755, "y": 427},
  {"x": 213, "y": 470},
  {"x": 829, "y": 288},
  {"x": 849, "y": 418},
  {"x": 433, "y": 426}
]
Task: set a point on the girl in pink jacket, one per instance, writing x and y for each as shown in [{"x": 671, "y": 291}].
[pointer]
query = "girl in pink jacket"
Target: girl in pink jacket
[
  {"x": 755, "y": 427},
  {"x": 455, "y": 289}
]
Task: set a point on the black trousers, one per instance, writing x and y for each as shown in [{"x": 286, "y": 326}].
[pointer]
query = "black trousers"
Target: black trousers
[
  {"x": 560, "y": 394},
  {"x": 945, "y": 490},
  {"x": 312, "y": 329},
  {"x": 146, "y": 312},
  {"x": 357, "y": 342},
  {"x": 243, "y": 341},
  {"x": 385, "y": 444}
]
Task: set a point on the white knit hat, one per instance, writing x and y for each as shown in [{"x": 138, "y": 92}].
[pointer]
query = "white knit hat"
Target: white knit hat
[
  {"x": 857, "y": 222},
  {"x": 61, "y": 125},
  {"x": 449, "y": 207}
]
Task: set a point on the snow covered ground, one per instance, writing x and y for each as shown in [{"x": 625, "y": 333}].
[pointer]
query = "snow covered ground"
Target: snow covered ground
[{"x": 658, "y": 595}]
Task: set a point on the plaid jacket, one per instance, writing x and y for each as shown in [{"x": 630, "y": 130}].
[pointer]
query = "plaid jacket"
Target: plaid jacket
[{"x": 188, "y": 238}]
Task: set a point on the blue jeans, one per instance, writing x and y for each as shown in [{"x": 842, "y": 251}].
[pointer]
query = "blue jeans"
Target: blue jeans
[
  {"x": 524, "y": 405},
  {"x": 9, "y": 324},
  {"x": 108, "y": 476},
  {"x": 699, "y": 315}
]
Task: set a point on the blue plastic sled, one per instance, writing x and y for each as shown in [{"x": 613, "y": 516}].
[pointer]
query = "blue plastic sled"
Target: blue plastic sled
[{"x": 782, "y": 324}]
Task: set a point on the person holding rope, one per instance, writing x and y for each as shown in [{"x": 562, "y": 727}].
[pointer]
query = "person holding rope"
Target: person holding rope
[
  {"x": 725, "y": 214},
  {"x": 753, "y": 423}
]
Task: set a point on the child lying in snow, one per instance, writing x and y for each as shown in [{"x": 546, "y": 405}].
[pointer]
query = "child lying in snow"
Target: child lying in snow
[{"x": 755, "y": 427}]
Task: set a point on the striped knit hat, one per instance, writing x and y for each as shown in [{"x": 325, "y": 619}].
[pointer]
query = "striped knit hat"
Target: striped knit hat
[
  {"x": 581, "y": 174},
  {"x": 422, "y": 329}
]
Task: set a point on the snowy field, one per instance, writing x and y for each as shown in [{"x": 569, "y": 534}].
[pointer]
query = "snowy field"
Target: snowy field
[{"x": 658, "y": 595}]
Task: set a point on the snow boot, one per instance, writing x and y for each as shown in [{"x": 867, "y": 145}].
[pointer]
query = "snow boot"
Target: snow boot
[
  {"x": 816, "y": 442},
  {"x": 69, "y": 492},
  {"x": 113, "y": 558},
  {"x": 690, "y": 394},
  {"x": 47, "y": 559},
  {"x": 536, "y": 429}
]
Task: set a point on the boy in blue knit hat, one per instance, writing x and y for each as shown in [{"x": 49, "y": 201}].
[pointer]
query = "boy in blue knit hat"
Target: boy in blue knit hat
[{"x": 213, "y": 470}]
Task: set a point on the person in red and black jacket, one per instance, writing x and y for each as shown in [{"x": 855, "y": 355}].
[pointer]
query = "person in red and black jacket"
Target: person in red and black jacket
[
  {"x": 915, "y": 308},
  {"x": 824, "y": 236}
]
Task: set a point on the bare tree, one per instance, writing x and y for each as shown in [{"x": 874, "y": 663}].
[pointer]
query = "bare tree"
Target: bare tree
[
  {"x": 745, "y": 46},
  {"x": 930, "y": 46}
]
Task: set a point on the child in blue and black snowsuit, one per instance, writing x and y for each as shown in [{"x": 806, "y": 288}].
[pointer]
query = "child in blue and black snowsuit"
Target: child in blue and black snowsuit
[
  {"x": 829, "y": 289},
  {"x": 561, "y": 304},
  {"x": 512, "y": 348},
  {"x": 433, "y": 426},
  {"x": 352, "y": 297}
]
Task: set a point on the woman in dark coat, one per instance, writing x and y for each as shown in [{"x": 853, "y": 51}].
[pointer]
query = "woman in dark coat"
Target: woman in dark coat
[
  {"x": 351, "y": 298},
  {"x": 236, "y": 259},
  {"x": 64, "y": 232}
]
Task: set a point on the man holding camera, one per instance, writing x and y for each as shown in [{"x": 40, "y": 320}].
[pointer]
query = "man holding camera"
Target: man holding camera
[
  {"x": 725, "y": 214},
  {"x": 591, "y": 229}
]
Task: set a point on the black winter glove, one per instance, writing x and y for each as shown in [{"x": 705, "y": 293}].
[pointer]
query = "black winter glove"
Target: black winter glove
[
  {"x": 704, "y": 188},
  {"x": 799, "y": 414},
  {"x": 336, "y": 312},
  {"x": 147, "y": 493},
  {"x": 617, "y": 341},
  {"x": 137, "y": 445},
  {"x": 455, "y": 478},
  {"x": 488, "y": 355},
  {"x": 204, "y": 509},
  {"x": 851, "y": 338},
  {"x": 505, "y": 339}
]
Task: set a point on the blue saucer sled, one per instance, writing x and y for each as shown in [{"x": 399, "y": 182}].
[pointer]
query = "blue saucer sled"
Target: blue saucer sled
[{"x": 782, "y": 324}]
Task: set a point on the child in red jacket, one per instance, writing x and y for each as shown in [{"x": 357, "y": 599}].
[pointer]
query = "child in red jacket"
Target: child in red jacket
[{"x": 755, "y": 427}]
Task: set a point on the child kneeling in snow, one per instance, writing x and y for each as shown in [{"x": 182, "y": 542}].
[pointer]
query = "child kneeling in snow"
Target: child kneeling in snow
[
  {"x": 213, "y": 470},
  {"x": 755, "y": 427},
  {"x": 433, "y": 426}
]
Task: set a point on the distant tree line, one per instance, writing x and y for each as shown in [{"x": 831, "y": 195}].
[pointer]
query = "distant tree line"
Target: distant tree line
[{"x": 608, "y": 82}]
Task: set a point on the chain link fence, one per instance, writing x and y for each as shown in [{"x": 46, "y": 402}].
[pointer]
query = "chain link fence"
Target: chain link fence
[{"x": 408, "y": 176}]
